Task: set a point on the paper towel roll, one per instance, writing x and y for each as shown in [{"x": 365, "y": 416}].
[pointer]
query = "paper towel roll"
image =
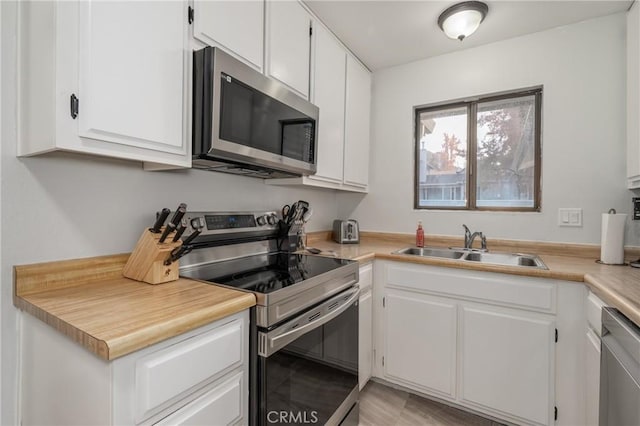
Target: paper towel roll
[{"x": 612, "y": 239}]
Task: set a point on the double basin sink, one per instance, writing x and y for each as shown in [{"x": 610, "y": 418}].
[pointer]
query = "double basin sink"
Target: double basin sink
[{"x": 469, "y": 255}]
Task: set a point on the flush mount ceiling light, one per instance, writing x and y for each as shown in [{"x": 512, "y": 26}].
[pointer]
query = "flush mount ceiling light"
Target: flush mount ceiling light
[{"x": 462, "y": 19}]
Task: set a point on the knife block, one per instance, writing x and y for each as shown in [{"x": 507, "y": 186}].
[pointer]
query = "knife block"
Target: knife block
[{"x": 146, "y": 262}]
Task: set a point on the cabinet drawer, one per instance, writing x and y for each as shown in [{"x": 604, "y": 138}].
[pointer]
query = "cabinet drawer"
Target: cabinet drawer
[
  {"x": 166, "y": 376},
  {"x": 535, "y": 294},
  {"x": 221, "y": 405},
  {"x": 594, "y": 313},
  {"x": 366, "y": 277}
]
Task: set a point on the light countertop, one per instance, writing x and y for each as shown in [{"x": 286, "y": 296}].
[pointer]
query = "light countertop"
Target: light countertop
[
  {"x": 92, "y": 303},
  {"x": 618, "y": 286}
]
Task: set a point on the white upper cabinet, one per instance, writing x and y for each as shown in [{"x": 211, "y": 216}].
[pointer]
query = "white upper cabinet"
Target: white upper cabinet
[
  {"x": 131, "y": 75},
  {"x": 329, "y": 96},
  {"x": 235, "y": 26},
  {"x": 341, "y": 88},
  {"x": 357, "y": 120},
  {"x": 115, "y": 75},
  {"x": 288, "y": 38},
  {"x": 633, "y": 97}
]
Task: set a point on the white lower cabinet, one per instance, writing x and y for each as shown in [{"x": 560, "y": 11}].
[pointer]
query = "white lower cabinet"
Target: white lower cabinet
[
  {"x": 222, "y": 404},
  {"x": 507, "y": 360},
  {"x": 197, "y": 378},
  {"x": 592, "y": 378},
  {"x": 365, "y": 325},
  {"x": 483, "y": 341},
  {"x": 592, "y": 345},
  {"x": 420, "y": 345}
]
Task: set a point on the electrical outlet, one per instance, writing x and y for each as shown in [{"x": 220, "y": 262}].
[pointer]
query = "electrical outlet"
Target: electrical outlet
[{"x": 571, "y": 217}]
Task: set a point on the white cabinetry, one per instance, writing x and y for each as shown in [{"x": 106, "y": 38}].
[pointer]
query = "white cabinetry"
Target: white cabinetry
[
  {"x": 506, "y": 346},
  {"x": 357, "y": 120},
  {"x": 288, "y": 44},
  {"x": 420, "y": 342},
  {"x": 341, "y": 88},
  {"x": 484, "y": 341},
  {"x": 235, "y": 26},
  {"x": 633, "y": 96},
  {"x": 200, "y": 377},
  {"x": 365, "y": 325},
  {"x": 329, "y": 96},
  {"x": 126, "y": 63},
  {"x": 592, "y": 354}
]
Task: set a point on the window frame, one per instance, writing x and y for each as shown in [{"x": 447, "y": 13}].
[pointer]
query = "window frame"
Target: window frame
[{"x": 471, "y": 105}]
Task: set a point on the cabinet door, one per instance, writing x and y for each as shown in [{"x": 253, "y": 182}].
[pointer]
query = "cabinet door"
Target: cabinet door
[
  {"x": 507, "y": 362},
  {"x": 420, "y": 342},
  {"x": 221, "y": 405},
  {"x": 357, "y": 119},
  {"x": 365, "y": 343},
  {"x": 633, "y": 96},
  {"x": 132, "y": 74},
  {"x": 592, "y": 352},
  {"x": 288, "y": 44},
  {"x": 328, "y": 95},
  {"x": 236, "y": 26}
]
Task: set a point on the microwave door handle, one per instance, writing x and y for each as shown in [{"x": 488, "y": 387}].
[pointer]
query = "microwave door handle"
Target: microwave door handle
[{"x": 273, "y": 343}]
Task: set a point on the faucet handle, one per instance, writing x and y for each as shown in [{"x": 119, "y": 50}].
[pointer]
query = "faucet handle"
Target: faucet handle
[{"x": 483, "y": 241}]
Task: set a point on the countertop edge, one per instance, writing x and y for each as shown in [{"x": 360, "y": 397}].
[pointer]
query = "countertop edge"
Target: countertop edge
[
  {"x": 599, "y": 287},
  {"x": 121, "y": 346},
  {"x": 98, "y": 347},
  {"x": 144, "y": 337}
]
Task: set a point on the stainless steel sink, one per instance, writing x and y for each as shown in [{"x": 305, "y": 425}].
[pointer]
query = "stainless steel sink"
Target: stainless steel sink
[
  {"x": 431, "y": 252},
  {"x": 508, "y": 259}
]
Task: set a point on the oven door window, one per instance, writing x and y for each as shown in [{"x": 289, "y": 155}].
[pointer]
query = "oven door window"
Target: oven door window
[{"x": 306, "y": 381}]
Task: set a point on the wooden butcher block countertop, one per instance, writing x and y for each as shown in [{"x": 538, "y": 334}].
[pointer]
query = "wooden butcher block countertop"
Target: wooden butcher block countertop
[
  {"x": 92, "y": 303},
  {"x": 618, "y": 286}
]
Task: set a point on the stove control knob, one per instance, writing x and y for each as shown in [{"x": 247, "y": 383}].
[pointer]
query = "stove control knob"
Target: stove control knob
[
  {"x": 272, "y": 219},
  {"x": 262, "y": 220}
]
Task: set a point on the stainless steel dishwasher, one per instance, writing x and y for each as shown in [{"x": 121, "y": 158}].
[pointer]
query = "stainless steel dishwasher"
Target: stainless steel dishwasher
[{"x": 619, "y": 370}]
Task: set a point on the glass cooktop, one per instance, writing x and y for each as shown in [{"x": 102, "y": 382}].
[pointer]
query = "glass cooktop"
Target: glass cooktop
[{"x": 268, "y": 273}]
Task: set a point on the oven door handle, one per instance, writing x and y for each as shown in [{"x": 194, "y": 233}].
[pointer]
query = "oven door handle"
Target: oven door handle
[{"x": 272, "y": 342}]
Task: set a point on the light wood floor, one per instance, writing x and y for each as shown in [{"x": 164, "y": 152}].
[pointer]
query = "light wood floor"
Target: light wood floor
[{"x": 384, "y": 406}]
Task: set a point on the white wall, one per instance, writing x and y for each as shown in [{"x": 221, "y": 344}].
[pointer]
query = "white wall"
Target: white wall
[
  {"x": 0, "y": 208},
  {"x": 582, "y": 69},
  {"x": 66, "y": 206}
]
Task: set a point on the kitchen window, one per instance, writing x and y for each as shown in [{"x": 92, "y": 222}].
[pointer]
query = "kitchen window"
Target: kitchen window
[{"x": 480, "y": 154}]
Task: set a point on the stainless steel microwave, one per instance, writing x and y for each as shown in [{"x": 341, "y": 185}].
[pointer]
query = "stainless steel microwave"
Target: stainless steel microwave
[{"x": 246, "y": 123}]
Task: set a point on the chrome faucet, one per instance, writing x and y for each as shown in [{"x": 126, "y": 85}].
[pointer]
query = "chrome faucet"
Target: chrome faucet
[{"x": 470, "y": 237}]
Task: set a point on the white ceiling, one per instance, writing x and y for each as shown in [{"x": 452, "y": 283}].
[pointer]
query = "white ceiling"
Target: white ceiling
[{"x": 388, "y": 33}]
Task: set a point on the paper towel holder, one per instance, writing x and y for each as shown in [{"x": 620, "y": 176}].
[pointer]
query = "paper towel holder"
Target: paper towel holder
[{"x": 611, "y": 213}]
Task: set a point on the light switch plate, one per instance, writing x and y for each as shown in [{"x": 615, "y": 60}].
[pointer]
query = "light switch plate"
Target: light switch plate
[{"x": 571, "y": 217}]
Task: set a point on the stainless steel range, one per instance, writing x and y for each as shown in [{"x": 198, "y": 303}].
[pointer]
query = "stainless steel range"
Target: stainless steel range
[{"x": 304, "y": 348}]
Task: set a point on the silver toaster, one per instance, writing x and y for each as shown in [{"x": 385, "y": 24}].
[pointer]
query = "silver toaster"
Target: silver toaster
[{"x": 346, "y": 231}]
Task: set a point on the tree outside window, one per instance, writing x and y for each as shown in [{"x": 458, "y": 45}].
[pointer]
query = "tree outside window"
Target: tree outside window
[{"x": 482, "y": 154}]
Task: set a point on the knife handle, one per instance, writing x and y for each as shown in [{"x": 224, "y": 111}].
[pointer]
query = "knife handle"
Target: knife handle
[
  {"x": 167, "y": 230},
  {"x": 180, "y": 230},
  {"x": 177, "y": 253},
  {"x": 177, "y": 216},
  {"x": 191, "y": 237},
  {"x": 162, "y": 216}
]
